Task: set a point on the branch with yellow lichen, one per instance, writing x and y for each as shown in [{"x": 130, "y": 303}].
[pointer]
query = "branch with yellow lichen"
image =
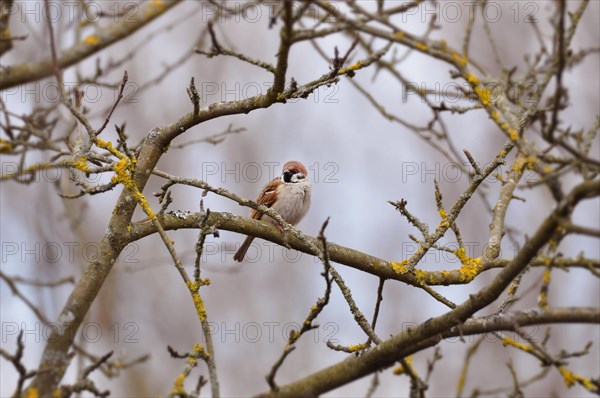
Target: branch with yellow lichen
[
  {"x": 14, "y": 75},
  {"x": 178, "y": 388},
  {"x": 339, "y": 254},
  {"x": 571, "y": 379},
  {"x": 418, "y": 339},
  {"x": 430, "y": 332},
  {"x": 118, "y": 231},
  {"x": 128, "y": 173},
  {"x": 124, "y": 174}
]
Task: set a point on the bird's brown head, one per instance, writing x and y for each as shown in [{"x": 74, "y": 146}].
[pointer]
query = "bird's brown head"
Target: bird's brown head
[{"x": 294, "y": 171}]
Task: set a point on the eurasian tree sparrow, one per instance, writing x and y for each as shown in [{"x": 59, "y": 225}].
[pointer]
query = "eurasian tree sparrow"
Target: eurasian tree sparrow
[{"x": 288, "y": 195}]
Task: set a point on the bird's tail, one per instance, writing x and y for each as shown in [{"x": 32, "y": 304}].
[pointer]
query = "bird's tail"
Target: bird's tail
[{"x": 241, "y": 253}]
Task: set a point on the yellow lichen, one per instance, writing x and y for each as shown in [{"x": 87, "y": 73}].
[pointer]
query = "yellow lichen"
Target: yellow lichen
[
  {"x": 356, "y": 347},
  {"x": 470, "y": 266},
  {"x": 542, "y": 300},
  {"x": 472, "y": 79},
  {"x": 519, "y": 164},
  {"x": 421, "y": 46},
  {"x": 400, "y": 369},
  {"x": 39, "y": 167},
  {"x": 568, "y": 376},
  {"x": 420, "y": 275},
  {"x": 547, "y": 261},
  {"x": 495, "y": 116},
  {"x": 107, "y": 145},
  {"x": 92, "y": 40},
  {"x": 463, "y": 60},
  {"x": 57, "y": 393},
  {"x": 81, "y": 165},
  {"x": 32, "y": 392},
  {"x": 468, "y": 272},
  {"x": 124, "y": 170},
  {"x": 571, "y": 378},
  {"x": 513, "y": 134},
  {"x": 506, "y": 341},
  {"x": 459, "y": 59},
  {"x": 5, "y": 146},
  {"x": 178, "y": 388},
  {"x": 436, "y": 277},
  {"x": 485, "y": 95},
  {"x": 522, "y": 163},
  {"x": 155, "y": 6},
  {"x": 444, "y": 223},
  {"x": 351, "y": 68},
  {"x": 546, "y": 277},
  {"x": 198, "y": 303},
  {"x": 199, "y": 348},
  {"x": 399, "y": 35},
  {"x": 197, "y": 352},
  {"x": 400, "y": 268}
]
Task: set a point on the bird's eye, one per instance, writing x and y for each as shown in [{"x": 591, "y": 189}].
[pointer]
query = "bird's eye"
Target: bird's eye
[{"x": 299, "y": 176}]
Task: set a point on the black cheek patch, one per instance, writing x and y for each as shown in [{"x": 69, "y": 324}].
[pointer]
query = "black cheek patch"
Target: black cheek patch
[{"x": 287, "y": 176}]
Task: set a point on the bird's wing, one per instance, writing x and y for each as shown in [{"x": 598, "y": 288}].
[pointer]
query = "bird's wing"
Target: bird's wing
[{"x": 267, "y": 197}]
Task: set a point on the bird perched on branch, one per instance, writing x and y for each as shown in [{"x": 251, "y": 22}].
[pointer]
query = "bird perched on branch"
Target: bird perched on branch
[{"x": 288, "y": 195}]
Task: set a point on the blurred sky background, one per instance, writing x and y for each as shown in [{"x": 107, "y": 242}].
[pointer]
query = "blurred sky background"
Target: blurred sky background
[{"x": 357, "y": 161}]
